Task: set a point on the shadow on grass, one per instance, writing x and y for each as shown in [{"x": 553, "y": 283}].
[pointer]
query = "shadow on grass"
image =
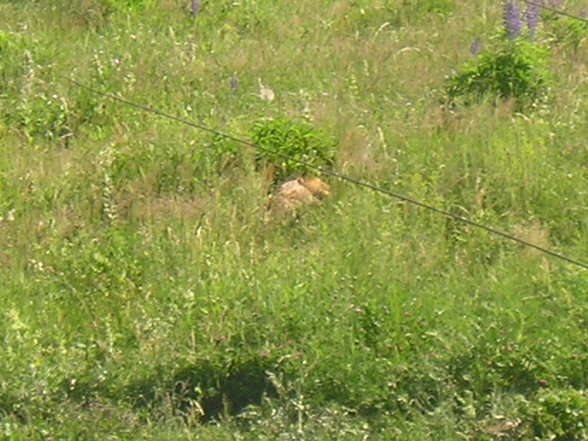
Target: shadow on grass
[
  {"x": 222, "y": 392},
  {"x": 207, "y": 389}
]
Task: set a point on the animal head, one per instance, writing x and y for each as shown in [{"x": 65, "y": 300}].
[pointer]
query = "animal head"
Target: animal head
[
  {"x": 316, "y": 186},
  {"x": 294, "y": 194}
]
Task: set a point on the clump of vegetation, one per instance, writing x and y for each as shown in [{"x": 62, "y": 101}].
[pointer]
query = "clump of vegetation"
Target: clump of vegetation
[
  {"x": 558, "y": 415},
  {"x": 428, "y": 6},
  {"x": 508, "y": 70},
  {"x": 515, "y": 66},
  {"x": 570, "y": 31},
  {"x": 127, "y": 6},
  {"x": 285, "y": 144}
]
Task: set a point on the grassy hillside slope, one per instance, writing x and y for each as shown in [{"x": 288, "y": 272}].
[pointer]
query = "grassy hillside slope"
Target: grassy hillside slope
[{"x": 145, "y": 294}]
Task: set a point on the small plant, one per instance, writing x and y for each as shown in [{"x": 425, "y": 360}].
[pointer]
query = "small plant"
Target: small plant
[
  {"x": 13, "y": 66},
  {"x": 221, "y": 152},
  {"x": 511, "y": 69},
  {"x": 515, "y": 67},
  {"x": 41, "y": 116},
  {"x": 570, "y": 32},
  {"x": 558, "y": 415},
  {"x": 32, "y": 104},
  {"x": 125, "y": 5},
  {"x": 282, "y": 139},
  {"x": 435, "y": 6}
]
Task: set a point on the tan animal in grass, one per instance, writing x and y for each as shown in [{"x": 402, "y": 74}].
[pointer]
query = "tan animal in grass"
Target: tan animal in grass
[{"x": 297, "y": 193}]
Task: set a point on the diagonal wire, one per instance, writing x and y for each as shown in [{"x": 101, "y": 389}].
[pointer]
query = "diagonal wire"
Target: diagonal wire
[
  {"x": 542, "y": 5},
  {"x": 333, "y": 173}
]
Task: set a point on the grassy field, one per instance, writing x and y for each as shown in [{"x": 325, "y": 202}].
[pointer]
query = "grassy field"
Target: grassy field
[{"x": 145, "y": 294}]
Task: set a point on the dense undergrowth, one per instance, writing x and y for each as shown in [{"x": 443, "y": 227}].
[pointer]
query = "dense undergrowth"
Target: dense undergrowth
[{"x": 145, "y": 294}]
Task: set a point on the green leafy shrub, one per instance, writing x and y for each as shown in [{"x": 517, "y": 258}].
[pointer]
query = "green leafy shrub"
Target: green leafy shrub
[
  {"x": 559, "y": 415},
  {"x": 291, "y": 139},
  {"x": 510, "y": 69}
]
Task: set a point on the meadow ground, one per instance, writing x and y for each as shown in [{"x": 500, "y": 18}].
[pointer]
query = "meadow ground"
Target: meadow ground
[{"x": 145, "y": 296}]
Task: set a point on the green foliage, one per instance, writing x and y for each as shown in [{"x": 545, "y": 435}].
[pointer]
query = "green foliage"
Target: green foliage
[
  {"x": 34, "y": 106},
  {"x": 43, "y": 116},
  {"x": 570, "y": 32},
  {"x": 127, "y": 5},
  {"x": 435, "y": 6},
  {"x": 6, "y": 41},
  {"x": 297, "y": 140},
  {"x": 146, "y": 293},
  {"x": 222, "y": 152},
  {"x": 101, "y": 9},
  {"x": 13, "y": 66},
  {"x": 558, "y": 415},
  {"x": 516, "y": 69}
]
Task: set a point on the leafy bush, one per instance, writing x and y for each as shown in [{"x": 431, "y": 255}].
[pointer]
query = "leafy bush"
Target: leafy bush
[
  {"x": 560, "y": 415},
  {"x": 281, "y": 139},
  {"x": 510, "y": 69}
]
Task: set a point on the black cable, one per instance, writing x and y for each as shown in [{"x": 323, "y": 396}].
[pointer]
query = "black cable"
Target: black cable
[
  {"x": 554, "y": 10},
  {"x": 334, "y": 174}
]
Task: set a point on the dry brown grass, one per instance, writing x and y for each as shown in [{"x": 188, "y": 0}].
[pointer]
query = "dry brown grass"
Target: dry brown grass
[
  {"x": 158, "y": 208},
  {"x": 534, "y": 233}
]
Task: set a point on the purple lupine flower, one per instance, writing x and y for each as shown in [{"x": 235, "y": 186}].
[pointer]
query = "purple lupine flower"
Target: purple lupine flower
[
  {"x": 476, "y": 46},
  {"x": 234, "y": 83},
  {"x": 532, "y": 16},
  {"x": 555, "y": 3},
  {"x": 512, "y": 18},
  {"x": 195, "y": 7}
]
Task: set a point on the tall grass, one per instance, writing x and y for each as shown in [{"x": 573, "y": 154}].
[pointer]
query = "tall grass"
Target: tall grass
[{"x": 145, "y": 294}]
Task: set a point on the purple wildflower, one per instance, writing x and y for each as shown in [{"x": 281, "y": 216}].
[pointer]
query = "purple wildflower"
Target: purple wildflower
[
  {"x": 234, "y": 83},
  {"x": 195, "y": 7},
  {"x": 476, "y": 46},
  {"x": 555, "y": 3},
  {"x": 532, "y": 16},
  {"x": 512, "y": 18}
]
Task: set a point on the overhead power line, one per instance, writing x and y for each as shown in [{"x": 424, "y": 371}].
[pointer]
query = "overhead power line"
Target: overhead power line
[
  {"x": 326, "y": 171},
  {"x": 542, "y": 5}
]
